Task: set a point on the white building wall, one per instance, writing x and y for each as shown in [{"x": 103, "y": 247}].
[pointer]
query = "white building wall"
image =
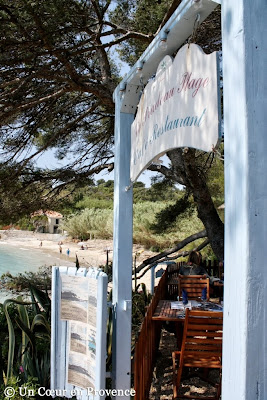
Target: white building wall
[{"x": 52, "y": 223}]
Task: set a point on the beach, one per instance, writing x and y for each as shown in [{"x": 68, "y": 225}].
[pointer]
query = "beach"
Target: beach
[{"x": 90, "y": 253}]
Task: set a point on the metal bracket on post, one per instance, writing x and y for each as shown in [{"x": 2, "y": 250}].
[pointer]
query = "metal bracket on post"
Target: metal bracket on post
[
  {"x": 127, "y": 188},
  {"x": 127, "y": 304},
  {"x": 131, "y": 98}
]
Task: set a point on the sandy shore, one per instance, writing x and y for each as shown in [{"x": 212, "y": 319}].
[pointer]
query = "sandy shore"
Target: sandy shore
[{"x": 93, "y": 255}]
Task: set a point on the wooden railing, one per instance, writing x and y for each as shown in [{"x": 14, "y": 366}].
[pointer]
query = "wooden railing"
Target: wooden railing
[
  {"x": 147, "y": 345},
  {"x": 213, "y": 268}
]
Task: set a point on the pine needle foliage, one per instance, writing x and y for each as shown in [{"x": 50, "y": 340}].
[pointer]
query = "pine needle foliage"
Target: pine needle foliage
[{"x": 167, "y": 217}]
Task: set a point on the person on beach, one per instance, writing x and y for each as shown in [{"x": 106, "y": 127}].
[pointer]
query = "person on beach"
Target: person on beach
[
  {"x": 60, "y": 249},
  {"x": 41, "y": 243},
  {"x": 68, "y": 252}
]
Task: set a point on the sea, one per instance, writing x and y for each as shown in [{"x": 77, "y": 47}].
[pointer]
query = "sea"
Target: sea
[{"x": 16, "y": 259}]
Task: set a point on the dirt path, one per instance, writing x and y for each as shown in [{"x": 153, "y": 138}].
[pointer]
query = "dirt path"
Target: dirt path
[{"x": 161, "y": 387}]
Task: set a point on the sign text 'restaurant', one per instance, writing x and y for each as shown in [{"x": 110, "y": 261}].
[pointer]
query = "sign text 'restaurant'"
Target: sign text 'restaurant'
[{"x": 179, "y": 108}]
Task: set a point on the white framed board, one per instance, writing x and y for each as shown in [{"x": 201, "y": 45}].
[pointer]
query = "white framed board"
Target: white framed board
[{"x": 78, "y": 334}]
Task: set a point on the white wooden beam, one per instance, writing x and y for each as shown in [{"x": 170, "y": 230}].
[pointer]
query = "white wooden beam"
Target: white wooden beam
[
  {"x": 179, "y": 28},
  {"x": 245, "y": 121}
]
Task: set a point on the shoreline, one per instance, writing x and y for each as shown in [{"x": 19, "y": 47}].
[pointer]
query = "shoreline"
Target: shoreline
[{"x": 95, "y": 255}]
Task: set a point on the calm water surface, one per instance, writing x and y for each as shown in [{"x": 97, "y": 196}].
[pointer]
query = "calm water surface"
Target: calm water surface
[{"x": 17, "y": 260}]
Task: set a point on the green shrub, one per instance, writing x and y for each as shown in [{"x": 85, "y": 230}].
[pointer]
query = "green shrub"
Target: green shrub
[
  {"x": 25, "y": 388},
  {"x": 21, "y": 283},
  {"x": 90, "y": 223},
  {"x": 98, "y": 224},
  {"x": 89, "y": 202},
  {"x": 145, "y": 218},
  {"x": 26, "y": 224}
]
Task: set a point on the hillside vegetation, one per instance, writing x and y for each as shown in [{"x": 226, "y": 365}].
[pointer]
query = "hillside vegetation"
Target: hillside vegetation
[{"x": 163, "y": 214}]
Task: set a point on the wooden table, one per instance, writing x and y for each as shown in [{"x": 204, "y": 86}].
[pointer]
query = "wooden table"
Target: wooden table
[{"x": 164, "y": 312}]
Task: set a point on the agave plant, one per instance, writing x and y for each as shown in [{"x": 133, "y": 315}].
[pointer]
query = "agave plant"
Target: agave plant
[{"x": 34, "y": 352}]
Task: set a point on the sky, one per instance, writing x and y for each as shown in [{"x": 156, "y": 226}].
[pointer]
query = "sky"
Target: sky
[{"x": 48, "y": 160}]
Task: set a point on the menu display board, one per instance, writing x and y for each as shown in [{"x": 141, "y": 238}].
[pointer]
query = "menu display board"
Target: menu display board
[{"x": 79, "y": 306}]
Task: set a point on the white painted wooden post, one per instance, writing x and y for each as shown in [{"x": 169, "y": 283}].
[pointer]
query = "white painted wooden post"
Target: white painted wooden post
[
  {"x": 245, "y": 123},
  {"x": 179, "y": 26},
  {"x": 122, "y": 252}
]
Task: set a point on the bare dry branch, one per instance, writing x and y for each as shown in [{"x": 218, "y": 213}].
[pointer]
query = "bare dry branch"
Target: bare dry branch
[
  {"x": 179, "y": 246},
  {"x": 182, "y": 254}
]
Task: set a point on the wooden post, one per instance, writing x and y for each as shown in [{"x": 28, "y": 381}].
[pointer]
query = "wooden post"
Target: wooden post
[
  {"x": 122, "y": 253},
  {"x": 179, "y": 26},
  {"x": 244, "y": 25}
]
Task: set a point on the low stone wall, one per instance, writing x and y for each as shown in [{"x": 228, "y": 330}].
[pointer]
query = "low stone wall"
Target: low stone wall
[{"x": 15, "y": 233}]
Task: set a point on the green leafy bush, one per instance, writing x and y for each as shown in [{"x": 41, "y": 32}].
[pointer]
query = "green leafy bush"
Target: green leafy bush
[
  {"x": 27, "y": 389},
  {"x": 21, "y": 283},
  {"x": 90, "y": 223},
  {"x": 98, "y": 223}
]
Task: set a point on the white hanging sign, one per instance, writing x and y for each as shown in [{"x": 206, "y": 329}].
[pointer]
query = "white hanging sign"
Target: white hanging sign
[{"x": 179, "y": 108}]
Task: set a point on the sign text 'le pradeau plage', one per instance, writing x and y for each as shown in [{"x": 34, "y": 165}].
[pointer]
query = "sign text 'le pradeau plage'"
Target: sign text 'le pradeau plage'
[{"x": 180, "y": 108}]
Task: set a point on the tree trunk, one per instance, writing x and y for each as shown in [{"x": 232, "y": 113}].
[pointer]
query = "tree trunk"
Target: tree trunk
[{"x": 191, "y": 175}]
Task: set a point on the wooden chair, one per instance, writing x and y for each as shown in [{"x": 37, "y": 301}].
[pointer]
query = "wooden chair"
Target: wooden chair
[
  {"x": 194, "y": 284},
  {"x": 201, "y": 347}
]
